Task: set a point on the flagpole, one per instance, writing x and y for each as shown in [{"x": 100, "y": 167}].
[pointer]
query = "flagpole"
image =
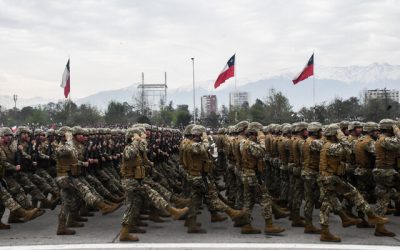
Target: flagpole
[
  {"x": 314, "y": 84},
  {"x": 194, "y": 95},
  {"x": 235, "y": 85}
]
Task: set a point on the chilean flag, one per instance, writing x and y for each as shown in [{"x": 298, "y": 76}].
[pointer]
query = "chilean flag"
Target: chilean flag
[
  {"x": 307, "y": 71},
  {"x": 227, "y": 72},
  {"x": 65, "y": 83}
]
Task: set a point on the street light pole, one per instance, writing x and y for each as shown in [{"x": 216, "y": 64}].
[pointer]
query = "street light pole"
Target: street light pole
[{"x": 194, "y": 95}]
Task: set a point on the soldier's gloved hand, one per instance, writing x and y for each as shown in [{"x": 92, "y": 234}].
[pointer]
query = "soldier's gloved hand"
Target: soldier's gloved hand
[
  {"x": 86, "y": 164},
  {"x": 20, "y": 147},
  {"x": 28, "y": 157},
  {"x": 34, "y": 163},
  {"x": 96, "y": 161},
  {"x": 18, "y": 168}
]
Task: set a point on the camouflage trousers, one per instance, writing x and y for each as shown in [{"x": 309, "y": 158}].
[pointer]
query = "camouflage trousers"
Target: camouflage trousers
[
  {"x": 239, "y": 188},
  {"x": 284, "y": 183},
  {"x": 275, "y": 178},
  {"x": 165, "y": 193},
  {"x": 136, "y": 193},
  {"x": 24, "y": 179},
  {"x": 17, "y": 192},
  {"x": 256, "y": 192},
  {"x": 332, "y": 186},
  {"x": 108, "y": 180},
  {"x": 230, "y": 183},
  {"x": 7, "y": 201},
  {"x": 311, "y": 192},
  {"x": 98, "y": 186},
  {"x": 69, "y": 197},
  {"x": 296, "y": 189},
  {"x": 112, "y": 171},
  {"x": 268, "y": 174},
  {"x": 198, "y": 190},
  {"x": 48, "y": 179},
  {"x": 387, "y": 188},
  {"x": 365, "y": 183}
]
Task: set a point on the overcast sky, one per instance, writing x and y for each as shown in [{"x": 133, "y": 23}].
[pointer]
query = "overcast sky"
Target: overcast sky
[{"x": 111, "y": 42}]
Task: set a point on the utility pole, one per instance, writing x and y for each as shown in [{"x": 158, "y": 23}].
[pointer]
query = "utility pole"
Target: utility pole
[
  {"x": 194, "y": 95},
  {"x": 15, "y": 97}
]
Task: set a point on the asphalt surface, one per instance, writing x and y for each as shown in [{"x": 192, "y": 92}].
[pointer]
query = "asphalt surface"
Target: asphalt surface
[{"x": 104, "y": 230}]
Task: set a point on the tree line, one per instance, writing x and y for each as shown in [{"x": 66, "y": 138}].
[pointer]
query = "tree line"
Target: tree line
[{"x": 274, "y": 108}]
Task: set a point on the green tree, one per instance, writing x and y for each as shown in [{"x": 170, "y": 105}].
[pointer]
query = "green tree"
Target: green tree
[{"x": 182, "y": 116}]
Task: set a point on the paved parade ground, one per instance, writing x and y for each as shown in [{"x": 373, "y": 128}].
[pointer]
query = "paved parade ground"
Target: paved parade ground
[{"x": 102, "y": 232}]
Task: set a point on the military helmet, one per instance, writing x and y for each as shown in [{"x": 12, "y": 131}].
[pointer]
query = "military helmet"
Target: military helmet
[
  {"x": 39, "y": 131},
  {"x": 50, "y": 132},
  {"x": 188, "y": 129},
  {"x": 286, "y": 128},
  {"x": 331, "y": 130},
  {"x": 300, "y": 126},
  {"x": 77, "y": 130},
  {"x": 266, "y": 129},
  {"x": 254, "y": 127},
  {"x": 354, "y": 124},
  {"x": 5, "y": 131},
  {"x": 85, "y": 131},
  {"x": 386, "y": 124},
  {"x": 130, "y": 132},
  {"x": 241, "y": 126},
  {"x": 314, "y": 127},
  {"x": 22, "y": 129},
  {"x": 63, "y": 131},
  {"x": 344, "y": 124},
  {"x": 198, "y": 130},
  {"x": 114, "y": 131},
  {"x": 370, "y": 126}
]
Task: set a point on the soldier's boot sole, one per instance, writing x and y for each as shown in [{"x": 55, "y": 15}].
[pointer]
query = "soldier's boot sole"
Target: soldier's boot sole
[{"x": 4, "y": 226}]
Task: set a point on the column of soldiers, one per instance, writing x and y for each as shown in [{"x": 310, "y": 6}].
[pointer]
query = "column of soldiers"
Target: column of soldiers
[{"x": 160, "y": 172}]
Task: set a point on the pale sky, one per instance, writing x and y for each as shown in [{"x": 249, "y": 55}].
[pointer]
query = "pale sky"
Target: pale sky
[{"x": 111, "y": 42}]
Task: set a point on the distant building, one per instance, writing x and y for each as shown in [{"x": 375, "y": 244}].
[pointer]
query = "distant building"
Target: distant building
[
  {"x": 382, "y": 94},
  {"x": 208, "y": 105},
  {"x": 237, "y": 98}
]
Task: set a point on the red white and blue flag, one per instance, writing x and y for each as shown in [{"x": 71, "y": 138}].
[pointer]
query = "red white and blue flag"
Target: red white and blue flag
[
  {"x": 65, "y": 83},
  {"x": 227, "y": 72},
  {"x": 307, "y": 71}
]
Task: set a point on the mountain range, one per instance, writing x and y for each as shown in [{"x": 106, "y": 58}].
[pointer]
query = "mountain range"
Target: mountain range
[{"x": 330, "y": 82}]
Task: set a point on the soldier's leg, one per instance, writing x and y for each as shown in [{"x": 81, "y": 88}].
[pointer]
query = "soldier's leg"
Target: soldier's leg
[
  {"x": 284, "y": 187},
  {"x": 98, "y": 186},
  {"x": 240, "y": 186},
  {"x": 6, "y": 202},
  {"x": 50, "y": 180},
  {"x": 297, "y": 199},
  {"x": 197, "y": 190},
  {"x": 18, "y": 193},
  {"x": 29, "y": 187}
]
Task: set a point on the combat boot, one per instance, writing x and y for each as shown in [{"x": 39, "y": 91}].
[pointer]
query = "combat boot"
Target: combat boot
[
  {"x": 125, "y": 236},
  {"x": 28, "y": 215},
  {"x": 347, "y": 221},
  {"x": 155, "y": 217},
  {"x": 84, "y": 211},
  {"x": 12, "y": 218},
  {"x": 297, "y": 220},
  {"x": 376, "y": 219},
  {"x": 72, "y": 220},
  {"x": 279, "y": 212},
  {"x": 136, "y": 230},
  {"x": 177, "y": 213},
  {"x": 4, "y": 226},
  {"x": 310, "y": 228},
  {"x": 180, "y": 202},
  {"x": 106, "y": 209},
  {"x": 380, "y": 230},
  {"x": 327, "y": 236},
  {"x": 62, "y": 229},
  {"x": 270, "y": 228},
  {"x": 249, "y": 229},
  {"x": 241, "y": 221},
  {"x": 163, "y": 213},
  {"x": 193, "y": 228},
  {"x": 216, "y": 217},
  {"x": 235, "y": 214}
]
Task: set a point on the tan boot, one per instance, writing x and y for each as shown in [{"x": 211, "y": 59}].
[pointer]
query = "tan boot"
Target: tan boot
[
  {"x": 125, "y": 236},
  {"x": 106, "y": 209},
  {"x": 12, "y": 218},
  {"x": 235, "y": 214},
  {"x": 4, "y": 226},
  {"x": 296, "y": 220},
  {"x": 376, "y": 219},
  {"x": 62, "y": 229},
  {"x": 27, "y": 215},
  {"x": 310, "y": 228},
  {"x": 193, "y": 227},
  {"x": 279, "y": 212},
  {"x": 180, "y": 202},
  {"x": 249, "y": 229},
  {"x": 380, "y": 230},
  {"x": 270, "y": 228},
  {"x": 327, "y": 236},
  {"x": 177, "y": 213},
  {"x": 347, "y": 221},
  {"x": 216, "y": 217}
]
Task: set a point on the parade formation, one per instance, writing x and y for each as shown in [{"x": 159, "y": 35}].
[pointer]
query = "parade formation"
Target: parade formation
[{"x": 349, "y": 169}]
